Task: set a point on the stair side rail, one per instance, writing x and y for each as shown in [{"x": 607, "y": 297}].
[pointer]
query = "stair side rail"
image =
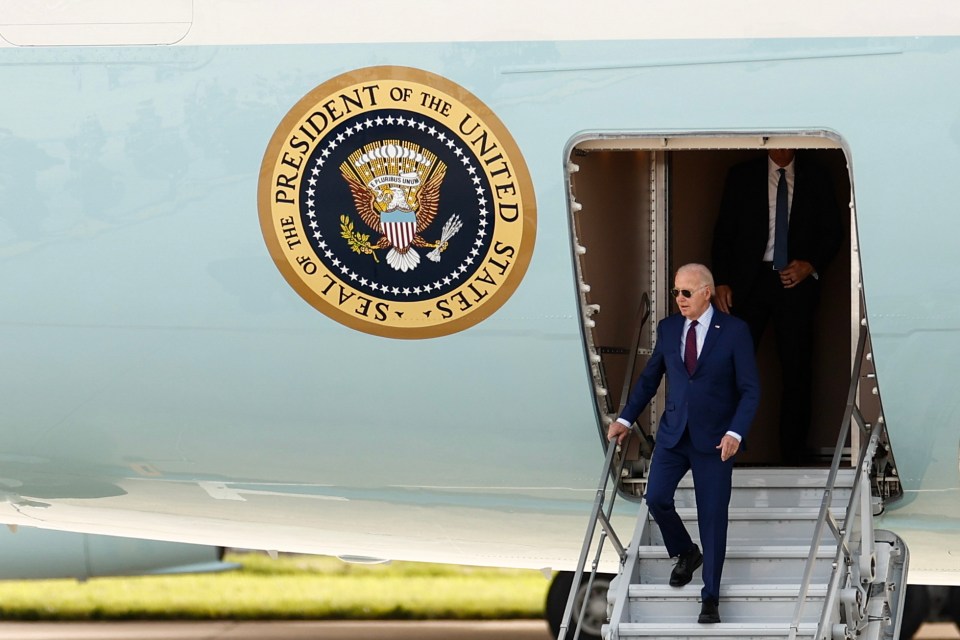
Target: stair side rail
[
  {"x": 597, "y": 514},
  {"x": 854, "y": 564},
  {"x": 855, "y": 554}
]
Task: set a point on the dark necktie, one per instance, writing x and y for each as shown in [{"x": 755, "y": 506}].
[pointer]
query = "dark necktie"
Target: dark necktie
[
  {"x": 690, "y": 348},
  {"x": 780, "y": 230}
]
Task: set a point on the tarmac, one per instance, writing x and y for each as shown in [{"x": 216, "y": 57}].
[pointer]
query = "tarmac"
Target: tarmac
[
  {"x": 306, "y": 630},
  {"x": 434, "y": 630}
]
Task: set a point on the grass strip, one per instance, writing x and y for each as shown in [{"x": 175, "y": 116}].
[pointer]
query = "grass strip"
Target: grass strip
[{"x": 290, "y": 587}]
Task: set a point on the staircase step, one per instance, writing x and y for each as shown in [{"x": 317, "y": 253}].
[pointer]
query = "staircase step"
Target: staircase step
[
  {"x": 762, "y": 564},
  {"x": 722, "y": 631},
  {"x": 800, "y": 478},
  {"x": 767, "y": 514},
  {"x": 656, "y": 603},
  {"x": 764, "y": 591},
  {"x": 771, "y": 498},
  {"x": 766, "y": 551},
  {"x": 776, "y": 487},
  {"x": 751, "y": 525}
]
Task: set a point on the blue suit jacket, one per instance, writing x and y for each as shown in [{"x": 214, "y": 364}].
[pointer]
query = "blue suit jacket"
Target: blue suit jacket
[{"x": 722, "y": 394}]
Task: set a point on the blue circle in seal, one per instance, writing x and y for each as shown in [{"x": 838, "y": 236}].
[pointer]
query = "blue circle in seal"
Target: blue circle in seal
[{"x": 325, "y": 197}]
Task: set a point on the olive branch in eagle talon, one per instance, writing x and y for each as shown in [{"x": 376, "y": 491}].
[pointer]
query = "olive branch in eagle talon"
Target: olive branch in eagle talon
[{"x": 358, "y": 242}]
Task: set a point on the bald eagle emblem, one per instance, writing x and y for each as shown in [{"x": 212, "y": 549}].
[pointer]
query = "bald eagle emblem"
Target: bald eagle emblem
[{"x": 396, "y": 191}]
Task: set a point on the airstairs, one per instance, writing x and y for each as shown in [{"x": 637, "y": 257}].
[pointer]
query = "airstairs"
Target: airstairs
[
  {"x": 803, "y": 557},
  {"x": 772, "y": 566}
]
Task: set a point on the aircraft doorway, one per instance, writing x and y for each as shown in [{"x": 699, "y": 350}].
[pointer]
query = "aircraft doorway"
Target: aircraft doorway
[{"x": 642, "y": 206}]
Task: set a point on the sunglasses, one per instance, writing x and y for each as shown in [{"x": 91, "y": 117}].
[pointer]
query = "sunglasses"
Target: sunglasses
[{"x": 686, "y": 293}]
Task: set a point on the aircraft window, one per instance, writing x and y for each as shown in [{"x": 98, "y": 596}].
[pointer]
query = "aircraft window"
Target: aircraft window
[{"x": 94, "y": 22}]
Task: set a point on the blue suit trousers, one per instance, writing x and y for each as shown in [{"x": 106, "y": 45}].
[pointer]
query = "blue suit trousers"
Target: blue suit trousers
[{"x": 712, "y": 479}]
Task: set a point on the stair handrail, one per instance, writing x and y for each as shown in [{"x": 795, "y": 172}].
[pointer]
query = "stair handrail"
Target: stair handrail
[
  {"x": 829, "y": 488},
  {"x": 858, "y": 519},
  {"x": 643, "y": 314},
  {"x": 597, "y": 514},
  {"x": 844, "y": 534}
]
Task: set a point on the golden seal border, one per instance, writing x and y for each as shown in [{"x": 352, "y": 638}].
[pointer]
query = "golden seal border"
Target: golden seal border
[{"x": 521, "y": 175}]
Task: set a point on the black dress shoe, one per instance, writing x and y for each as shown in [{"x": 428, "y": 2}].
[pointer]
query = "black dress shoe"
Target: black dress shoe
[
  {"x": 686, "y": 565},
  {"x": 709, "y": 613}
]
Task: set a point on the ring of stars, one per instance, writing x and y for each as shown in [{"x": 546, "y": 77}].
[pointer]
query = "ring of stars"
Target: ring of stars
[{"x": 442, "y": 138}]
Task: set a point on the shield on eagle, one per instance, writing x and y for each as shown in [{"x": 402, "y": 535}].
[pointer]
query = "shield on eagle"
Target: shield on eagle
[{"x": 400, "y": 227}]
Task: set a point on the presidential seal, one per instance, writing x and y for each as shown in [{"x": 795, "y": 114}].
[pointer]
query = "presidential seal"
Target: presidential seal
[{"x": 395, "y": 202}]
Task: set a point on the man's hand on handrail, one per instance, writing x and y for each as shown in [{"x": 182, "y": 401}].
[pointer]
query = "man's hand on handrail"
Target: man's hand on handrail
[{"x": 618, "y": 431}]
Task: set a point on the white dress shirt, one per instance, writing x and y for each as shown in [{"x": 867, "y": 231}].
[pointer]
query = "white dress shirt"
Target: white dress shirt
[{"x": 703, "y": 325}]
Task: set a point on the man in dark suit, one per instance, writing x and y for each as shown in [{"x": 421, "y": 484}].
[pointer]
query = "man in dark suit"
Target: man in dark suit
[
  {"x": 763, "y": 274},
  {"x": 713, "y": 390}
]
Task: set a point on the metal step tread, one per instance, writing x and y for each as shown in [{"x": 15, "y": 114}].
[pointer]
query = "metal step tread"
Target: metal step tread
[
  {"x": 784, "y": 478},
  {"x": 775, "y": 478},
  {"x": 767, "y": 513},
  {"x": 721, "y": 630},
  {"x": 750, "y": 551},
  {"x": 727, "y": 592}
]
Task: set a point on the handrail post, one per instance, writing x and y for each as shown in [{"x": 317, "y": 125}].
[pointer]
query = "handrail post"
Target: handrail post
[
  {"x": 828, "y": 490},
  {"x": 588, "y": 539},
  {"x": 855, "y": 555},
  {"x": 597, "y": 514}
]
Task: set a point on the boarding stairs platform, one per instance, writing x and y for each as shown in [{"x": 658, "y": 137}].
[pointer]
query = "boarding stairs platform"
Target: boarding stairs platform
[
  {"x": 796, "y": 565},
  {"x": 773, "y": 517},
  {"x": 803, "y": 557}
]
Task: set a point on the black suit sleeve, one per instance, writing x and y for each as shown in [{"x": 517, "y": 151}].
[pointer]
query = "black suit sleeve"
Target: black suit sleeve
[
  {"x": 725, "y": 234},
  {"x": 740, "y": 233},
  {"x": 819, "y": 234}
]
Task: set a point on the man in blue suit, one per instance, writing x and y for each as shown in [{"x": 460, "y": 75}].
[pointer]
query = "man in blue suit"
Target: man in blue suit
[{"x": 713, "y": 390}]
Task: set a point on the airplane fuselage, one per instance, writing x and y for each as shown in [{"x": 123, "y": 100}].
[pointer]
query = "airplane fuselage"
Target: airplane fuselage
[{"x": 169, "y": 373}]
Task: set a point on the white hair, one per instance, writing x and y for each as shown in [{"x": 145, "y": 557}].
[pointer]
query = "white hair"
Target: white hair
[{"x": 700, "y": 271}]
